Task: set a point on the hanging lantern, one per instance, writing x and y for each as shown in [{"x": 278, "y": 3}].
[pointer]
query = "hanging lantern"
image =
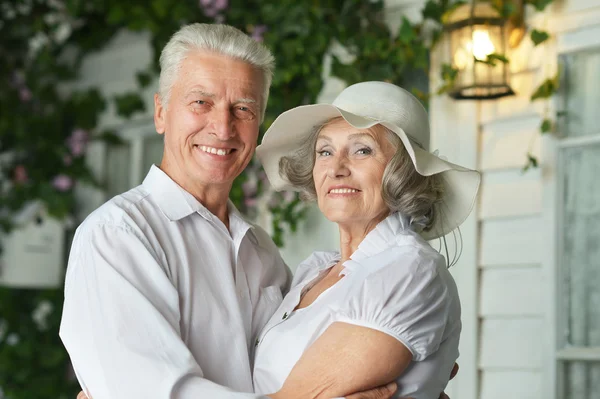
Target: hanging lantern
[{"x": 477, "y": 37}]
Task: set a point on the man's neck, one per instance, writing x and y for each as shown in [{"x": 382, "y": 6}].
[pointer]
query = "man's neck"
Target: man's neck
[
  {"x": 212, "y": 197},
  {"x": 214, "y": 200}
]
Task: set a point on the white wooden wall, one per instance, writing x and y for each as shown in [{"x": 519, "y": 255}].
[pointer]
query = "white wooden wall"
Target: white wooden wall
[{"x": 509, "y": 327}]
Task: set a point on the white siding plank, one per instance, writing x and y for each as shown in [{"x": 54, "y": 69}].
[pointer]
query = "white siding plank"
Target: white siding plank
[
  {"x": 505, "y": 143},
  {"x": 510, "y": 193},
  {"x": 524, "y": 84},
  {"x": 511, "y": 241},
  {"x": 511, "y": 344},
  {"x": 512, "y": 292},
  {"x": 520, "y": 384}
]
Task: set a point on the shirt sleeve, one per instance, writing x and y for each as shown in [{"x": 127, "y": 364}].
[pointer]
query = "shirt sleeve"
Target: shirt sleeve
[
  {"x": 120, "y": 321},
  {"x": 404, "y": 297}
]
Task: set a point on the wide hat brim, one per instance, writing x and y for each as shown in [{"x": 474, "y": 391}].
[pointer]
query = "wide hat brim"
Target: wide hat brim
[{"x": 293, "y": 127}]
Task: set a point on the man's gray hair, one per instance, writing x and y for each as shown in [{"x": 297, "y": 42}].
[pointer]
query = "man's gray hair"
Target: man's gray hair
[
  {"x": 403, "y": 189},
  {"x": 220, "y": 39}
]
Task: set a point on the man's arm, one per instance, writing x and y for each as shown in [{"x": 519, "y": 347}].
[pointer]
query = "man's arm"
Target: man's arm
[{"x": 120, "y": 322}]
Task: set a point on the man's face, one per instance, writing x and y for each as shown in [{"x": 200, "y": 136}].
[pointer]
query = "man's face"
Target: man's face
[{"x": 211, "y": 120}]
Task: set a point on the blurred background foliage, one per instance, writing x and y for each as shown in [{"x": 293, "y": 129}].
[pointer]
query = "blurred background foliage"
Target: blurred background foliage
[{"x": 45, "y": 125}]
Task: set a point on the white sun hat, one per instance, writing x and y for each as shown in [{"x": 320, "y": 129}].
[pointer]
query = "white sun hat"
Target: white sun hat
[{"x": 364, "y": 105}]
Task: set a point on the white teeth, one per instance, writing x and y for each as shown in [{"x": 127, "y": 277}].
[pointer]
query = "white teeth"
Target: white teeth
[
  {"x": 215, "y": 151},
  {"x": 343, "y": 191}
]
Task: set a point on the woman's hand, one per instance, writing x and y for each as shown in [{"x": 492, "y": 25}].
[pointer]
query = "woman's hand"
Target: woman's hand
[{"x": 82, "y": 395}]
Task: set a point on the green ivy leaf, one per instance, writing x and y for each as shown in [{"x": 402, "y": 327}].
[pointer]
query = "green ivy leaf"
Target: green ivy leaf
[
  {"x": 110, "y": 138},
  {"x": 407, "y": 32},
  {"x": 546, "y": 126},
  {"x": 540, "y": 5},
  {"x": 538, "y": 37},
  {"x": 128, "y": 104},
  {"x": 449, "y": 73},
  {"x": 532, "y": 162},
  {"x": 144, "y": 79},
  {"x": 347, "y": 73},
  {"x": 492, "y": 59},
  {"x": 547, "y": 88},
  {"x": 506, "y": 9}
]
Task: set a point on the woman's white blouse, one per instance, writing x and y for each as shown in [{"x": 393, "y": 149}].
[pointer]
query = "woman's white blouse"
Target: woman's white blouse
[{"x": 396, "y": 283}]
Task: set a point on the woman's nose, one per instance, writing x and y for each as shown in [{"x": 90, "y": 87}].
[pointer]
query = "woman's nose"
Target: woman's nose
[{"x": 338, "y": 168}]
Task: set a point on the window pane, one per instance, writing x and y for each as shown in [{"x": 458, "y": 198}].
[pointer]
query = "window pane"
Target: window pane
[
  {"x": 580, "y": 264},
  {"x": 582, "y": 380},
  {"x": 582, "y": 80},
  {"x": 153, "y": 152},
  {"x": 118, "y": 169}
]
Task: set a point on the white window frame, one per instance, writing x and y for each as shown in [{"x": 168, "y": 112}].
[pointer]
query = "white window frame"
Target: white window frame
[
  {"x": 575, "y": 33},
  {"x": 135, "y": 134}
]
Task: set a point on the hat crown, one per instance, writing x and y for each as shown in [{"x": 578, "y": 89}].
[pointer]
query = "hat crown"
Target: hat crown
[{"x": 386, "y": 102}]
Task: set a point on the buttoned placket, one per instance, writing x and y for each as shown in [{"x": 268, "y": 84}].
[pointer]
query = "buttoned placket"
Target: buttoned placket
[
  {"x": 289, "y": 306},
  {"x": 241, "y": 284},
  {"x": 239, "y": 279}
]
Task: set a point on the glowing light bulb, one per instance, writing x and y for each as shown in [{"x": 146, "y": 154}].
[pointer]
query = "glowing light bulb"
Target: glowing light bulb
[{"x": 482, "y": 45}]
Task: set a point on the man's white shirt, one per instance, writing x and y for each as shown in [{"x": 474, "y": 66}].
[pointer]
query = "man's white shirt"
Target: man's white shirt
[{"x": 163, "y": 301}]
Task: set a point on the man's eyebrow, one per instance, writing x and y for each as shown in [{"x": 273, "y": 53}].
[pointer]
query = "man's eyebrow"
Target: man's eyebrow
[
  {"x": 246, "y": 100},
  {"x": 201, "y": 92}
]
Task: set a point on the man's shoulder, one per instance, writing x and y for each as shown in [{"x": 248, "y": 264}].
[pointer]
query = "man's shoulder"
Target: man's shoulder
[{"x": 124, "y": 210}]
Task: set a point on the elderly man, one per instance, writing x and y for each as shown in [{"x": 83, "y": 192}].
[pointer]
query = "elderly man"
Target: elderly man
[{"x": 167, "y": 285}]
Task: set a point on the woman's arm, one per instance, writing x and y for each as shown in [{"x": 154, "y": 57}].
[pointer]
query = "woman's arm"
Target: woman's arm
[{"x": 345, "y": 359}]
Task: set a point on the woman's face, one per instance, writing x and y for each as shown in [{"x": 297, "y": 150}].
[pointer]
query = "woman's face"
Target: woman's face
[{"x": 348, "y": 172}]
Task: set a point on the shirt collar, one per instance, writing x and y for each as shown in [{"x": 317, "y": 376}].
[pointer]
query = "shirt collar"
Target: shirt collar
[
  {"x": 387, "y": 233},
  {"x": 174, "y": 202}
]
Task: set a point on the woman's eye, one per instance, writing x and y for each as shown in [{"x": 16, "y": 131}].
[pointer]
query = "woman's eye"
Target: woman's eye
[
  {"x": 364, "y": 151},
  {"x": 200, "y": 102},
  {"x": 323, "y": 153}
]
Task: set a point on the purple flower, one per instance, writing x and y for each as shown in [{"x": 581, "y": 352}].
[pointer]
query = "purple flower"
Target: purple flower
[
  {"x": 250, "y": 202},
  {"x": 213, "y": 8},
  {"x": 289, "y": 196},
  {"x": 249, "y": 188},
  {"x": 221, "y": 5},
  {"x": 17, "y": 79},
  {"x": 274, "y": 201},
  {"x": 211, "y": 12},
  {"x": 77, "y": 142},
  {"x": 20, "y": 174},
  {"x": 262, "y": 176},
  {"x": 25, "y": 94},
  {"x": 258, "y": 32},
  {"x": 62, "y": 182}
]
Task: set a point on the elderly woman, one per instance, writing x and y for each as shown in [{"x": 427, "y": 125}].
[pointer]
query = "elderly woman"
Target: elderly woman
[{"x": 384, "y": 307}]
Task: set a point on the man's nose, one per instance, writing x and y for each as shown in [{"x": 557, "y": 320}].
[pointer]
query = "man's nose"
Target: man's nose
[{"x": 222, "y": 125}]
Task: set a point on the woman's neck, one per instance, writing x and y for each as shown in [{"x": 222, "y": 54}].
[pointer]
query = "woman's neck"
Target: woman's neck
[{"x": 352, "y": 234}]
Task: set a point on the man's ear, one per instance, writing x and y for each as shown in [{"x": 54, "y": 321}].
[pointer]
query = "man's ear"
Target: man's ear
[{"x": 159, "y": 115}]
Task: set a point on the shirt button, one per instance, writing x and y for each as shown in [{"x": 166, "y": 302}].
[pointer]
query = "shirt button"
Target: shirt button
[
  {"x": 256, "y": 343},
  {"x": 285, "y": 315}
]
